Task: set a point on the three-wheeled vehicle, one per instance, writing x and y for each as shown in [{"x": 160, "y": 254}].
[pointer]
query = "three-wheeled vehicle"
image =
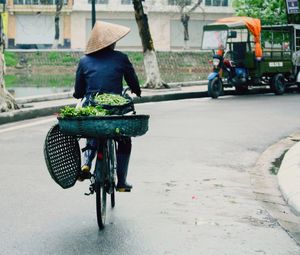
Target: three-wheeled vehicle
[{"x": 247, "y": 54}]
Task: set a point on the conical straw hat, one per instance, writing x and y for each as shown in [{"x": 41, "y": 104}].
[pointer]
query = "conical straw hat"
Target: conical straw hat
[{"x": 104, "y": 34}]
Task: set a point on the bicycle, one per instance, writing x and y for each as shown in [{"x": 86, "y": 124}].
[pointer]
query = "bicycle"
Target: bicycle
[
  {"x": 103, "y": 179},
  {"x": 62, "y": 152}
]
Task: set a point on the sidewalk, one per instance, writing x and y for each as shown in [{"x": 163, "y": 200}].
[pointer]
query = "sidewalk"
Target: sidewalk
[
  {"x": 39, "y": 106},
  {"x": 33, "y": 107},
  {"x": 289, "y": 176}
]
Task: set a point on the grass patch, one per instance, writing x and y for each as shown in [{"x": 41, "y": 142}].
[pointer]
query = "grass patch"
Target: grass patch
[
  {"x": 68, "y": 59},
  {"x": 53, "y": 81},
  {"x": 174, "y": 67},
  {"x": 53, "y": 56},
  {"x": 11, "y": 58},
  {"x": 10, "y": 80},
  {"x": 137, "y": 58}
]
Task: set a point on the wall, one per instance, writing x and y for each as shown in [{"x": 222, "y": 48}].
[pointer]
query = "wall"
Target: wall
[{"x": 164, "y": 21}]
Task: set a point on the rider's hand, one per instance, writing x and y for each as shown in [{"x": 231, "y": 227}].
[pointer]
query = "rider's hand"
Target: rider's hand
[
  {"x": 77, "y": 96},
  {"x": 138, "y": 93}
]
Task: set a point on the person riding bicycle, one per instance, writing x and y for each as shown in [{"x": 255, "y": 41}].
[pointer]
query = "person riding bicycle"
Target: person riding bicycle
[{"x": 101, "y": 70}]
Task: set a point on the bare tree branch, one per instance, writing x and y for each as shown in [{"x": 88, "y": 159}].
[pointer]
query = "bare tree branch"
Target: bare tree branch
[
  {"x": 196, "y": 5},
  {"x": 185, "y": 15}
]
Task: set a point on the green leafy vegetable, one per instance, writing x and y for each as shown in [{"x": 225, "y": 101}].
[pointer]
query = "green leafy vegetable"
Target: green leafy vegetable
[
  {"x": 110, "y": 99},
  {"x": 68, "y": 111}
]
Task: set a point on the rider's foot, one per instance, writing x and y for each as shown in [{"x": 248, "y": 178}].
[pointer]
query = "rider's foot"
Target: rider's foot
[
  {"x": 123, "y": 187},
  {"x": 84, "y": 173}
]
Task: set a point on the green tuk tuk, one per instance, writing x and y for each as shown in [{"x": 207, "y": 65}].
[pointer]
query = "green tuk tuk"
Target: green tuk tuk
[{"x": 247, "y": 54}]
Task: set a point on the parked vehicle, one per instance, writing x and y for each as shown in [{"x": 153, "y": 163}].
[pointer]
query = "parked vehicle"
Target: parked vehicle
[{"x": 248, "y": 54}]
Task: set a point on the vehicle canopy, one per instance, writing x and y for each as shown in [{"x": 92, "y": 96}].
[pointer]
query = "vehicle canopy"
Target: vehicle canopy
[{"x": 216, "y": 34}]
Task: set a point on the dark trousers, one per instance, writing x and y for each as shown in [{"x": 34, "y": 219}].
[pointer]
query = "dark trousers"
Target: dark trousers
[{"x": 123, "y": 147}]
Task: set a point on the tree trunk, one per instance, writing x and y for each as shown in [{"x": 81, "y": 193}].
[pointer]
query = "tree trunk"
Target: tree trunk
[
  {"x": 59, "y": 5},
  {"x": 185, "y": 22},
  {"x": 152, "y": 71},
  {"x": 150, "y": 61},
  {"x": 7, "y": 102},
  {"x": 185, "y": 18}
]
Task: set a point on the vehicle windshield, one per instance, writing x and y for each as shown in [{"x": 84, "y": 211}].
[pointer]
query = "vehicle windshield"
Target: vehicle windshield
[{"x": 212, "y": 40}]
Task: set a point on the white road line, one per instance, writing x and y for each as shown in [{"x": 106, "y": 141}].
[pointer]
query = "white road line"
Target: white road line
[{"x": 35, "y": 123}]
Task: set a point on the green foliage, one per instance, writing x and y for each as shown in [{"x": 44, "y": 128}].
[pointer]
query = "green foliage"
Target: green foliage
[
  {"x": 11, "y": 58},
  {"x": 68, "y": 59},
  {"x": 10, "y": 80},
  {"x": 53, "y": 56},
  {"x": 270, "y": 12},
  {"x": 68, "y": 111},
  {"x": 136, "y": 58}
]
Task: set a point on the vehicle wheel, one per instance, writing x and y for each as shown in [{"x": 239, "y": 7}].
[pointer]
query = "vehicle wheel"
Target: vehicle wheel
[
  {"x": 100, "y": 204},
  {"x": 112, "y": 167},
  {"x": 278, "y": 84},
  {"x": 242, "y": 89},
  {"x": 112, "y": 199},
  {"x": 215, "y": 87}
]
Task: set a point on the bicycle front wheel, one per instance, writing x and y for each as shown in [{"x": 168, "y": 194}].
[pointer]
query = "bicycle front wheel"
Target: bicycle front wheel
[
  {"x": 100, "y": 204},
  {"x": 113, "y": 199},
  {"x": 112, "y": 167},
  {"x": 100, "y": 189}
]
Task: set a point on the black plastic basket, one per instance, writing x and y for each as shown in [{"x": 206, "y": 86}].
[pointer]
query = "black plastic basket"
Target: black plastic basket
[
  {"x": 104, "y": 126},
  {"x": 63, "y": 157}
]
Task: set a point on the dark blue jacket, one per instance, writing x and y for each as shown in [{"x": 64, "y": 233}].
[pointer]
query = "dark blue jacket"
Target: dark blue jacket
[{"x": 103, "y": 72}]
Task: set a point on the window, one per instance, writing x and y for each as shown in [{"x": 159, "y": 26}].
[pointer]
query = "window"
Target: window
[
  {"x": 216, "y": 2},
  {"x": 175, "y": 2},
  {"x": 214, "y": 39},
  {"x": 298, "y": 40},
  {"x": 126, "y": 2},
  {"x": 37, "y": 2}
]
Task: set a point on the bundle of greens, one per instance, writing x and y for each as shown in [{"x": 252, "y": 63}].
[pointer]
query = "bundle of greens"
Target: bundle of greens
[
  {"x": 68, "y": 111},
  {"x": 110, "y": 99}
]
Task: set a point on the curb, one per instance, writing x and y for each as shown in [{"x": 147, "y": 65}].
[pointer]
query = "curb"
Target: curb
[
  {"x": 30, "y": 111},
  {"x": 289, "y": 178},
  {"x": 35, "y": 112},
  {"x": 44, "y": 98}
]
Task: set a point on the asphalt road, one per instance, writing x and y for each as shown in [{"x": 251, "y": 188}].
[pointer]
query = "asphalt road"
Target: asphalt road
[{"x": 192, "y": 190}]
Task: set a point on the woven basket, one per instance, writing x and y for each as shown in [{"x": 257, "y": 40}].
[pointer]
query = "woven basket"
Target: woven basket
[
  {"x": 62, "y": 156},
  {"x": 104, "y": 126}
]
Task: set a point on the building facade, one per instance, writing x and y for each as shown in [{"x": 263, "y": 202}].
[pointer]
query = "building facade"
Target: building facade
[{"x": 31, "y": 22}]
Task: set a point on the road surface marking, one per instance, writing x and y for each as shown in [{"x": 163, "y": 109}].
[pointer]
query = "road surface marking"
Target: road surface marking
[{"x": 27, "y": 125}]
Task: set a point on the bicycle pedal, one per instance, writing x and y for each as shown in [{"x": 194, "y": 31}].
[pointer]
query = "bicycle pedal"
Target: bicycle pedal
[{"x": 91, "y": 189}]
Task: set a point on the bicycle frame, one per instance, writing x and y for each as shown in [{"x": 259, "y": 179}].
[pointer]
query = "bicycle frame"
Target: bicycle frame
[
  {"x": 104, "y": 177},
  {"x": 103, "y": 180}
]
